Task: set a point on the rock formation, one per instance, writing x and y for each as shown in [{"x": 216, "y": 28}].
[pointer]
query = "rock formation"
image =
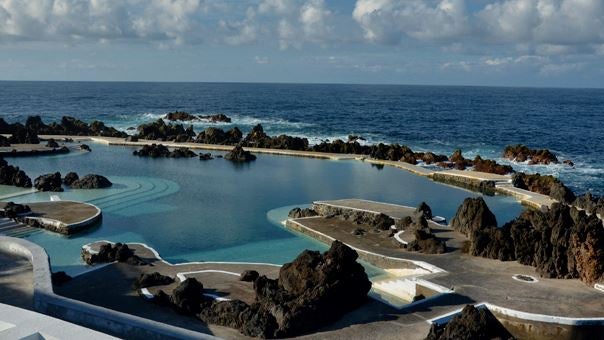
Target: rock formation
[
  {"x": 259, "y": 139},
  {"x": 159, "y": 130},
  {"x": 490, "y": 166},
  {"x": 70, "y": 126},
  {"x": 49, "y": 182},
  {"x": 70, "y": 178},
  {"x": 298, "y": 213},
  {"x": 11, "y": 175},
  {"x": 544, "y": 184},
  {"x": 187, "y": 297},
  {"x": 12, "y": 210},
  {"x": 473, "y": 214},
  {"x": 217, "y": 118},
  {"x": 591, "y": 204},
  {"x": 59, "y": 278},
  {"x": 91, "y": 181},
  {"x": 426, "y": 242},
  {"x": 180, "y": 115},
  {"x": 214, "y": 135},
  {"x": 424, "y": 210},
  {"x": 312, "y": 291},
  {"x": 24, "y": 136},
  {"x": 111, "y": 253},
  {"x": 51, "y": 143},
  {"x": 4, "y": 142},
  {"x": 249, "y": 276},
  {"x": 561, "y": 242},
  {"x": 522, "y": 153},
  {"x": 85, "y": 147},
  {"x": 152, "y": 279},
  {"x": 160, "y": 150},
  {"x": 471, "y": 324},
  {"x": 239, "y": 155}
]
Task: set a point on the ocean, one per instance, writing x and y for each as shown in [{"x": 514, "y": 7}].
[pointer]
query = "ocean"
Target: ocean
[{"x": 478, "y": 120}]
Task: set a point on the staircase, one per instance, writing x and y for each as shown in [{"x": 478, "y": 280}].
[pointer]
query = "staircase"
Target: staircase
[{"x": 11, "y": 228}]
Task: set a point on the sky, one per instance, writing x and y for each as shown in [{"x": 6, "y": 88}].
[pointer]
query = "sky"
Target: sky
[{"x": 557, "y": 43}]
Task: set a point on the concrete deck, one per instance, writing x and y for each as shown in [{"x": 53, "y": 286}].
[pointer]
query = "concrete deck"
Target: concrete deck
[
  {"x": 16, "y": 150},
  {"x": 66, "y": 217},
  {"x": 476, "y": 279}
]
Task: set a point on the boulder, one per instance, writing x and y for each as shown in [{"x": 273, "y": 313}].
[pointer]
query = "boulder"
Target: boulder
[
  {"x": 180, "y": 115},
  {"x": 51, "y": 143},
  {"x": 109, "y": 253},
  {"x": 12, "y": 210},
  {"x": 159, "y": 130},
  {"x": 239, "y": 155},
  {"x": 152, "y": 279},
  {"x": 249, "y": 276},
  {"x": 258, "y": 138},
  {"x": 205, "y": 156},
  {"x": 424, "y": 210},
  {"x": 298, "y": 213},
  {"x": 472, "y": 323},
  {"x": 214, "y": 135},
  {"x": 11, "y": 175},
  {"x": 403, "y": 223},
  {"x": 24, "y": 136},
  {"x": 187, "y": 297},
  {"x": 426, "y": 242},
  {"x": 70, "y": 178},
  {"x": 85, "y": 147},
  {"x": 217, "y": 118},
  {"x": 490, "y": 166},
  {"x": 522, "y": 153},
  {"x": 91, "y": 181},
  {"x": 312, "y": 291},
  {"x": 544, "y": 184},
  {"x": 49, "y": 182},
  {"x": 160, "y": 150},
  {"x": 473, "y": 214}
]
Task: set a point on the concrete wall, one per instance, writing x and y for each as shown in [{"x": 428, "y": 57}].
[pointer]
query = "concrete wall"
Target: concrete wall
[{"x": 95, "y": 317}]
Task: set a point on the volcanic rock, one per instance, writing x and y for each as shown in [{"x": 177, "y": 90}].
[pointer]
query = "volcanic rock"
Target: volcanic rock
[
  {"x": 312, "y": 291},
  {"x": 522, "y": 153},
  {"x": 152, "y": 279},
  {"x": 12, "y": 210},
  {"x": 51, "y": 143},
  {"x": 544, "y": 184},
  {"x": 4, "y": 142},
  {"x": 205, "y": 156},
  {"x": 298, "y": 213},
  {"x": 239, "y": 155},
  {"x": 215, "y": 118},
  {"x": 70, "y": 178},
  {"x": 490, "y": 166},
  {"x": 49, "y": 182},
  {"x": 11, "y": 175},
  {"x": 471, "y": 324},
  {"x": 214, "y": 135},
  {"x": 160, "y": 150},
  {"x": 426, "y": 242},
  {"x": 187, "y": 297},
  {"x": 110, "y": 253},
  {"x": 180, "y": 115},
  {"x": 91, "y": 181},
  {"x": 249, "y": 276},
  {"x": 473, "y": 214},
  {"x": 85, "y": 147},
  {"x": 424, "y": 210},
  {"x": 159, "y": 130}
]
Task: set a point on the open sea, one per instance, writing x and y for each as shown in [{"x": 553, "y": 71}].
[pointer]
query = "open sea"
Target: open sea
[
  {"x": 215, "y": 210},
  {"x": 479, "y": 120}
]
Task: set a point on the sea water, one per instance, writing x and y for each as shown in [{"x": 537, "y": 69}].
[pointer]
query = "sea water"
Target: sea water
[
  {"x": 479, "y": 120},
  {"x": 216, "y": 210}
]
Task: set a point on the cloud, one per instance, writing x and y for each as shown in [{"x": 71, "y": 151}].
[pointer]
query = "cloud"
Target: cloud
[
  {"x": 547, "y": 26},
  {"x": 388, "y": 21}
]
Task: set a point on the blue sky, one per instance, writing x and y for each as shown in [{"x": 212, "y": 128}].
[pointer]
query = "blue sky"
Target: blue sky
[{"x": 471, "y": 42}]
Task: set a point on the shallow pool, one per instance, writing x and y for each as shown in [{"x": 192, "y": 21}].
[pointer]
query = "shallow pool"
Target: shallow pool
[{"x": 192, "y": 210}]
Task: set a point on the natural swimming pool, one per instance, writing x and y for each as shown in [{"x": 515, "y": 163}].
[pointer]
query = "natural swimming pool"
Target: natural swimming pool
[{"x": 192, "y": 210}]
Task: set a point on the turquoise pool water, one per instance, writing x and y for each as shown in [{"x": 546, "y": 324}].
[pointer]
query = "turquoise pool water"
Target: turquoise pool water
[{"x": 192, "y": 210}]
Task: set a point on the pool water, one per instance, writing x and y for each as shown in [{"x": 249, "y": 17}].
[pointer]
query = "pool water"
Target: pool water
[{"x": 192, "y": 210}]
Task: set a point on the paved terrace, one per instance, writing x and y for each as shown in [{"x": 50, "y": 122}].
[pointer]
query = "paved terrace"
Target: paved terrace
[
  {"x": 472, "y": 278},
  {"x": 62, "y": 216}
]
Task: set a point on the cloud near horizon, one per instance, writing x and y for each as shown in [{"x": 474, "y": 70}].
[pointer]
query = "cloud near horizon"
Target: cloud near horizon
[{"x": 486, "y": 34}]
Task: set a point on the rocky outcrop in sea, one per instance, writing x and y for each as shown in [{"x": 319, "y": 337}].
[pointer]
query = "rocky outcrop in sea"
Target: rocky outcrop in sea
[
  {"x": 544, "y": 184},
  {"x": 160, "y": 150},
  {"x": 218, "y": 136},
  {"x": 91, "y": 181},
  {"x": 522, "y": 153},
  {"x": 110, "y": 253},
  {"x": 238, "y": 154},
  {"x": 159, "y": 130},
  {"x": 49, "y": 182}
]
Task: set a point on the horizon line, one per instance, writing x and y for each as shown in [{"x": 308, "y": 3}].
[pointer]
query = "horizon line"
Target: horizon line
[{"x": 301, "y": 83}]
